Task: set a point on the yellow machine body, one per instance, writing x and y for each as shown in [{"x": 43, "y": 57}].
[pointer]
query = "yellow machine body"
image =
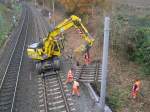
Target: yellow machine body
[{"x": 51, "y": 46}]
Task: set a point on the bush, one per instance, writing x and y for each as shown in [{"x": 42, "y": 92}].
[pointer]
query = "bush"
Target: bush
[
  {"x": 141, "y": 53},
  {"x": 6, "y": 20}
]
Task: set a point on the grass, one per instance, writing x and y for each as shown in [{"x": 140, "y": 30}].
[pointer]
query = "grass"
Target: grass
[
  {"x": 125, "y": 22},
  {"x": 4, "y": 24},
  {"x": 6, "y": 21},
  {"x": 114, "y": 100},
  {"x": 118, "y": 98}
]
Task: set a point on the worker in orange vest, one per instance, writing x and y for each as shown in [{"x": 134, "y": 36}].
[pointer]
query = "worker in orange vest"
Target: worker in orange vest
[
  {"x": 136, "y": 88},
  {"x": 87, "y": 58},
  {"x": 69, "y": 77},
  {"x": 75, "y": 88}
]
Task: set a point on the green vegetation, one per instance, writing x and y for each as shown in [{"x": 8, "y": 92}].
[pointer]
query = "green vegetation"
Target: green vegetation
[
  {"x": 114, "y": 101},
  {"x": 140, "y": 41},
  {"x": 141, "y": 52},
  {"x": 6, "y": 20},
  {"x": 17, "y": 9},
  {"x": 131, "y": 37},
  {"x": 130, "y": 42},
  {"x": 118, "y": 98},
  {"x": 4, "y": 23}
]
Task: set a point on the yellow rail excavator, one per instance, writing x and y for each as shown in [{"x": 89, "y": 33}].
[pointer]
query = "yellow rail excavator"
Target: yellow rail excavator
[{"x": 47, "y": 53}]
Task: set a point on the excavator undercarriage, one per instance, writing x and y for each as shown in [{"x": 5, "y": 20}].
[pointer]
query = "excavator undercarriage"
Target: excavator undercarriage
[{"x": 52, "y": 64}]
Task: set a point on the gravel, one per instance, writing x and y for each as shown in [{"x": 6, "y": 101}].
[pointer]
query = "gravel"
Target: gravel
[
  {"x": 6, "y": 50},
  {"x": 84, "y": 103},
  {"x": 27, "y": 91},
  {"x": 26, "y": 96}
]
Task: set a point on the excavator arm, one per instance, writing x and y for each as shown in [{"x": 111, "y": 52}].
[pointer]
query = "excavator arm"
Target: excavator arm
[
  {"x": 49, "y": 49},
  {"x": 73, "y": 21}
]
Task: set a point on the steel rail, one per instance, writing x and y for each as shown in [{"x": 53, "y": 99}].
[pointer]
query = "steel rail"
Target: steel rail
[
  {"x": 81, "y": 71},
  {"x": 97, "y": 72},
  {"x": 63, "y": 93},
  {"x": 45, "y": 95},
  {"x": 58, "y": 80},
  {"x": 12, "y": 53},
  {"x": 10, "y": 79},
  {"x": 22, "y": 54},
  {"x": 89, "y": 73},
  {"x": 45, "y": 31},
  {"x": 52, "y": 88}
]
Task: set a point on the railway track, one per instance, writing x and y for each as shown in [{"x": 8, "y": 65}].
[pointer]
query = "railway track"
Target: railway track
[
  {"x": 8, "y": 85},
  {"x": 53, "y": 94},
  {"x": 89, "y": 73},
  {"x": 45, "y": 26},
  {"x": 97, "y": 72},
  {"x": 40, "y": 25}
]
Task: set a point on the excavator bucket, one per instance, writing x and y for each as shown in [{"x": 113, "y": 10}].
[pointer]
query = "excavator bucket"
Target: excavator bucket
[{"x": 82, "y": 49}]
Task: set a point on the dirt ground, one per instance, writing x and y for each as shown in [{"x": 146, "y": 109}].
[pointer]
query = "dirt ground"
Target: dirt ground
[
  {"x": 122, "y": 73},
  {"x": 84, "y": 103},
  {"x": 137, "y": 3}
]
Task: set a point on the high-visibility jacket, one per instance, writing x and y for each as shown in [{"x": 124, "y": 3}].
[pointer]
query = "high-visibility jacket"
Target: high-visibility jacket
[
  {"x": 75, "y": 84},
  {"x": 69, "y": 76},
  {"x": 136, "y": 88},
  {"x": 86, "y": 58},
  {"x": 75, "y": 88}
]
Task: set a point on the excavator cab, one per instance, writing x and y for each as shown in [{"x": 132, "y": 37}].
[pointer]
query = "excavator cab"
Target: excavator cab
[{"x": 34, "y": 50}]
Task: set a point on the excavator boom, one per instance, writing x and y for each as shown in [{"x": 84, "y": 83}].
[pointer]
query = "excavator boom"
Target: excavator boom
[
  {"x": 67, "y": 24},
  {"x": 50, "y": 47}
]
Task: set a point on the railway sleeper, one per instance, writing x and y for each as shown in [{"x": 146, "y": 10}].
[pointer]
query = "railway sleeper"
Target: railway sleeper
[
  {"x": 9, "y": 84},
  {"x": 89, "y": 77},
  {"x": 54, "y": 93},
  {"x": 53, "y": 89},
  {"x": 5, "y": 108},
  {"x": 56, "y": 108},
  {"x": 56, "y": 102},
  {"x": 6, "y": 94},
  {"x": 88, "y": 81},
  {"x": 5, "y": 103}
]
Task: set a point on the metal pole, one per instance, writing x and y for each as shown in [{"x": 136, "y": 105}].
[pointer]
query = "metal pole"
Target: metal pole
[
  {"x": 104, "y": 64},
  {"x": 54, "y": 12},
  {"x": 43, "y": 4},
  {"x": 92, "y": 9},
  {"x": 35, "y": 2}
]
